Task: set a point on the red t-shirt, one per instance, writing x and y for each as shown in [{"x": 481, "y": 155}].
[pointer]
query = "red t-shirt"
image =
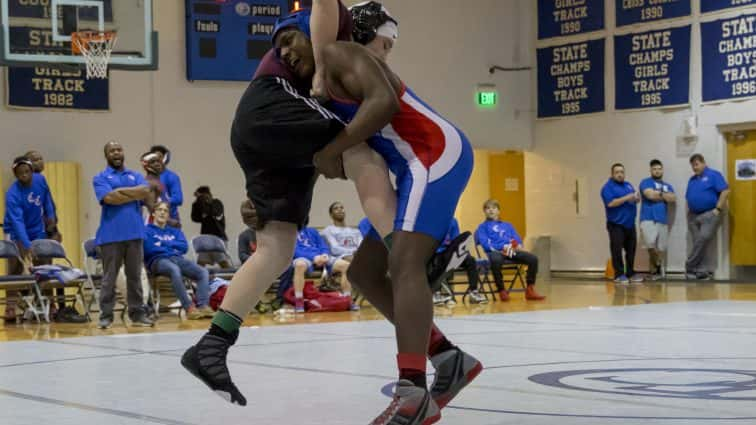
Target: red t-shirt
[{"x": 271, "y": 65}]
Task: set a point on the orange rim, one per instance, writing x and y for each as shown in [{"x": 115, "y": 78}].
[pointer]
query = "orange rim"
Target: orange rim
[{"x": 82, "y": 38}]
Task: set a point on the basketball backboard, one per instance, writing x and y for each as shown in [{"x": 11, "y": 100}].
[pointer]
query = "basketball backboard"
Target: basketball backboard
[{"x": 38, "y": 32}]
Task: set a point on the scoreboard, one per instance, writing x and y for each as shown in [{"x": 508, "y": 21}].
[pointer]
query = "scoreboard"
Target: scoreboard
[{"x": 225, "y": 39}]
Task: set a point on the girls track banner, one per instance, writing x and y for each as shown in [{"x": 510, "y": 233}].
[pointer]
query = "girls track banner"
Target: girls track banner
[{"x": 652, "y": 69}]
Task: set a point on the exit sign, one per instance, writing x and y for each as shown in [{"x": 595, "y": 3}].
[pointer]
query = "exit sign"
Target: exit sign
[{"x": 487, "y": 98}]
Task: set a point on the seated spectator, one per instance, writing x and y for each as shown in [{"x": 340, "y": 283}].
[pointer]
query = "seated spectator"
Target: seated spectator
[
  {"x": 312, "y": 252},
  {"x": 164, "y": 249},
  {"x": 470, "y": 266},
  {"x": 247, "y": 243},
  {"x": 504, "y": 246},
  {"x": 343, "y": 241},
  {"x": 209, "y": 212},
  {"x": 27, "y": 203},
  {"x": 171, "y": 181}
]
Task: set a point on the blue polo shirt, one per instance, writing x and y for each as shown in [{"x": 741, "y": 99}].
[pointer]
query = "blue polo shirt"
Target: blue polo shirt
[
  {"x": 703, "y": 191},
  {"x": 118, "y": 223},
  {"x": 655, "y": 211},
  {"x": 624, "y": 214}
]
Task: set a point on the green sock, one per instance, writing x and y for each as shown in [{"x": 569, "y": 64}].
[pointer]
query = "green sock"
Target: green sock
[
  {"x": 388, "y": 240},
  {"x": 227, "y": 321}
]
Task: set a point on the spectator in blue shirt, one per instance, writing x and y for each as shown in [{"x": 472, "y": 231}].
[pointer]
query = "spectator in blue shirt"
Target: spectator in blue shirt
[
  {"x": 122, "y": 193},
  {"x": 310, "y": 252},
  {"x": 706, "y": 196},
  {"x": 620, "y": 201},
  {"x": 51, "y": 218},
  {"x": 173, "y": 193},
  {"x": 503, "y": 245},
  {"x": 653, "y": 216},
  {"x": 164, "y": 250}
]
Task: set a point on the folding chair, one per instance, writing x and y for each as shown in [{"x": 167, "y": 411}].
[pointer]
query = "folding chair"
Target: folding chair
[
  {"x": 48, "y": 249},
  {"x": 19, "y": 283},
  {"x": 92, "y": 264},
  {"x": 484, "y": 268},
  {"x": 211, "y": 244}
]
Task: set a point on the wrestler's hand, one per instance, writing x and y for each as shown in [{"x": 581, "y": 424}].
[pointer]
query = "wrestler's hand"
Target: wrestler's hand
[
  {"x": 318, "y": 90},
  {"x": 329, "y": 164}
]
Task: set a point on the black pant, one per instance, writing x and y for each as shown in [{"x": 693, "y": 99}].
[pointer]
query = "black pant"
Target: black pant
[
  {"x": 620, "y": 237},
  {"x": 498, "y": 259},
  {"x": 129, "y": 254},
  {"x": 471, "y": 268}
]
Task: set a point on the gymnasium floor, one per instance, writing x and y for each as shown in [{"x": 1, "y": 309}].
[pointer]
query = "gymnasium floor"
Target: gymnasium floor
[{"x": 659, "y": 354}]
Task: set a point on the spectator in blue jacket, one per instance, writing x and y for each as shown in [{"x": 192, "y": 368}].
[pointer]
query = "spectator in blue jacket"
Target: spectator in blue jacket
[
  {"x": 503, "y": 245},
  {"x": 621, "y": 204},
  {"x": 173, "y": 193},
  {"x": 51, "y": 220},
  {"x": 310, "y": 252},
  {"x": 27, "y": 203},
  {"x": 164, "y": 249}
]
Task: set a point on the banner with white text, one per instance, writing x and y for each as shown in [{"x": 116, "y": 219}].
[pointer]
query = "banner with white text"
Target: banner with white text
[
  {"x": 652, "y": 69},
  {"x": 728, "y": 58},
  {"x": 571, "y": 79}
]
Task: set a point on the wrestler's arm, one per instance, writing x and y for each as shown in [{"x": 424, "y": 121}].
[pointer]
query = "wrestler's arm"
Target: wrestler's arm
[
  {"x": 365, "y": 80},
  {"x": 324, "y": 24}
]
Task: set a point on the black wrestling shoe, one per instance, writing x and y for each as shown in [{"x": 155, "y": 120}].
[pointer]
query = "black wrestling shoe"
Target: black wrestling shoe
[
  {"x": 447, "y": 261},
  {"x": 207, "y": 361}
]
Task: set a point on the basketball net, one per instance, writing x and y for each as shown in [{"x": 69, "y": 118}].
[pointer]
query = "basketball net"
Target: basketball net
[{"x": 96, "y": 47}]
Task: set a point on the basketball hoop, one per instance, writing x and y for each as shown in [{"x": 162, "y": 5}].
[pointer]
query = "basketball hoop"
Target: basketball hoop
[{"x": 96, "y": 47}]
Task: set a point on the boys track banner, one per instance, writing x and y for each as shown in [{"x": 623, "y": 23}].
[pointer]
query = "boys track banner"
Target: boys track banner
[
  {"x": 728, "y": 58},
  {"x": 571, "y": 79},
  {"x": 559, "y": 18},
  {"x": 652, "y": 69},
  {"x": 631, "y": 12}
]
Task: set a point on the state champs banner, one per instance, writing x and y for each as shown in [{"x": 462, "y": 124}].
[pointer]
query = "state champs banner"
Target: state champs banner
[
  {"x": 558, "y": 18},
  {"x": 728, "y": 58},
  {"x": 629, "y": 12},
  {"x": 718, "y": 5},
  {"x": 571, "y": 79},
  {"x": 652, "y": 69}
]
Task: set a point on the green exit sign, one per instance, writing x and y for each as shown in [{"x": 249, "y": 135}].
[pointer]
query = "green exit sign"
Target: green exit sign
[{"x": 487, "y": 98}]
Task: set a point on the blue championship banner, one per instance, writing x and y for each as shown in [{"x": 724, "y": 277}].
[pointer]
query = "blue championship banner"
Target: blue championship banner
[
  {"x": 728, "y": 58},
  {"x": 631, "y": 12},
  {"x": 571, "y": 79},
  {"x": 557, "y": 18},
  {"x": 41, "y": 9},
  {"x": 715, "y": 5},
  {"x": 51, "y": 88},
  {"x": 652, "y": 69}
]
